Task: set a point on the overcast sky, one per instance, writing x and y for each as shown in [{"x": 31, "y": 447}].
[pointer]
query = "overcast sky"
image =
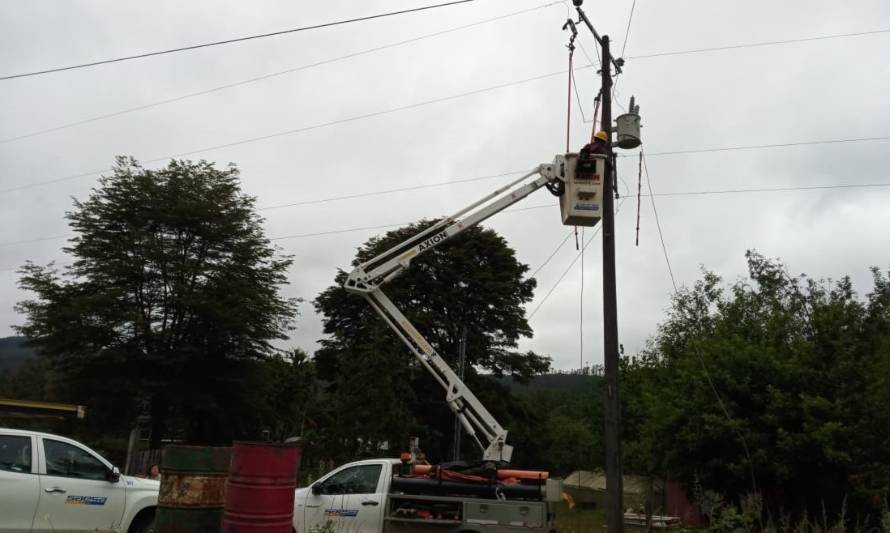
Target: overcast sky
[{"x": 816, "y": 90}]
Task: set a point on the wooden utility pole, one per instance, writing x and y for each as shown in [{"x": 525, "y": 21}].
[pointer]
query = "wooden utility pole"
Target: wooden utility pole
[
  {"x": 614, "y": 479},
  {"x": 614, "y": 482}
]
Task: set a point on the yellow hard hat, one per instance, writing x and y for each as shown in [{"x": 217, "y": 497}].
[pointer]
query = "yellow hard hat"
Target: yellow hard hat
[{"x": 602, "y": 135}]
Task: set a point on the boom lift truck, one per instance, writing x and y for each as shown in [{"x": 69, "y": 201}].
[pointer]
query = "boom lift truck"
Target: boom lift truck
[
  {"x": 577, "y": 182},
  {"x": 386, "y": 496}
]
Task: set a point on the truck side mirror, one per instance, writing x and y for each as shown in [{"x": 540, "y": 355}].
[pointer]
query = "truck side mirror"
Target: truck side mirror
[
  {"x": 114, "y": 475},
  {"x": 317, "y": 489}
]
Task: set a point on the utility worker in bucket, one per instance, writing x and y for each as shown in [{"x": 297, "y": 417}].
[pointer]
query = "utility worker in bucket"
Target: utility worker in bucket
[
  {"x": 597, "y": 145},
  {"x": 586, "y": 161}
]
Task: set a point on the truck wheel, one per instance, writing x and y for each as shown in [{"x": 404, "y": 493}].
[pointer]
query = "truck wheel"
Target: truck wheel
[{"x": 144, "y": 522}]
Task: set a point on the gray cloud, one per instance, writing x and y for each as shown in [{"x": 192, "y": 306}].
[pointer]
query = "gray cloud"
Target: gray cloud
[{"x": 807, "y": 91}]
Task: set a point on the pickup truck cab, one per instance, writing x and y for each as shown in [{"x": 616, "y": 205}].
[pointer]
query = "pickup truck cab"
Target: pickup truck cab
[
  {"x": 359, "y": 497},
  {"x": 50, "y": 483}
]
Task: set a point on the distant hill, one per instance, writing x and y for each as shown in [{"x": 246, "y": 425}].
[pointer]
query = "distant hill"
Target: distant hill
[
  {"x": 571, "y": 383},
  {"x": 13, "y": 353}
]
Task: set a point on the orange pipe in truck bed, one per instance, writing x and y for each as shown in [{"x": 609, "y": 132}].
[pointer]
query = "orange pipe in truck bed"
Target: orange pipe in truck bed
[{"x": 502, "y": 474}]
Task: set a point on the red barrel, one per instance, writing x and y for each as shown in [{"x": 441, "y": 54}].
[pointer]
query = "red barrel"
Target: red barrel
[{"x": 260, "y": 489}]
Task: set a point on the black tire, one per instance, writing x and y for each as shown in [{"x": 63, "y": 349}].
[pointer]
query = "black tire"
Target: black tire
[{"x": 144, "y": 522}]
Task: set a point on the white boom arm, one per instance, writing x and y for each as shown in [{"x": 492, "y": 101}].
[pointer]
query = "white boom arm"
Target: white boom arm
[{"x": 367, "y": 278}]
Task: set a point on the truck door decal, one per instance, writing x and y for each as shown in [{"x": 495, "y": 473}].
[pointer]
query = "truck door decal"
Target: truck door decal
[
  {"x": 85, "y": 500},
  {"x": 341, "y": 512}
]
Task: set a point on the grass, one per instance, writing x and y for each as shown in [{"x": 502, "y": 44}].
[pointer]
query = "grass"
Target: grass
[{"x": 579, "y": 520}]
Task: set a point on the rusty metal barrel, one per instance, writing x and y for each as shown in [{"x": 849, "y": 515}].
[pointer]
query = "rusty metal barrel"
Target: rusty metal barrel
[
  {"x": 193, "y": 489},
  {"x": 260, "y": 490}
]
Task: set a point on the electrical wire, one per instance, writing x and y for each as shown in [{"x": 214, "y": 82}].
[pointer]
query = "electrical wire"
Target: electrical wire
[
  {"x": 301, "y": 235},
  {"x": 774, "y": 189},
  {"x": 695, "y": 349},
  {"x": 581, "y": 308},
  {"x": 566, "y": 271},
  {"x": 429, "y": 102},
  {"x": 362, "y": 52},
  {"x": 766, "y": 146},
  {"x": 627, "y": 31},
  {"x": 639, "y": 197},
  {"x": 578, "y": 97},
  {"x": 391, "y": 191},
  {"x": 663, "y": 194},
  {"x": 270, "y": 75},
  {"x": 229, "y": 41},
  {"x": 364, "y": 228},
  {"x": 29, "y": 241},
  {"x": 599, "y": 61},
  {"x": 569, "y": 94},
  {"x": 657, "y": 220},
  {"x": 761, "y": 43},
  {"x": 558, "y": 248},
  {"x": 333, "y": 232},
  {"x": 302, "y": 129}
]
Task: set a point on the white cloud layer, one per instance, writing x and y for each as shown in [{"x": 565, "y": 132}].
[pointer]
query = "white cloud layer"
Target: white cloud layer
[{"x": 829, "y": 89}]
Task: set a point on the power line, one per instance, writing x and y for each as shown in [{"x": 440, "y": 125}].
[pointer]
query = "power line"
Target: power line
[
  {"x": 773, "y": 189},
  {"x": 657, "y": 221},
  {"x": 400, "y": 43},
  {"x": 661, "y": 194},
  {"x": 578, "y": 97},
  {"x": 269, "y": 75},
  {"x": 694, "y": 347},
  {"x": 566, "y": 271},
  {"x": 331, "y": 199},
  {"x": 766, "y": 146},
  {"x": 230, "y": 41},
  {"x": 563, "y": 275},
  {"x": 333, "y": 232},
  {"x": 301, "y": 235},
  {"x": 390, "y": 191},
  {"x": 29, "y": 241},
  {"x": 364, "y": 116},
  {"x": 429, "y": 102},
  {"x": 558, "y": 248},
  {"x": 627, "y": 31},
  {"x": 581, "y": 307},
  {"x": 760, "y": 43},
  {"x": 303, "y": 129}
]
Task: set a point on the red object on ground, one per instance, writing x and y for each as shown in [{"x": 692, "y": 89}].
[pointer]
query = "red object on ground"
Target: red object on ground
[
  {"x": 678, "y": 504},
  {"x": 525, "y": 475},
  {"x": 260, "y": 490}
]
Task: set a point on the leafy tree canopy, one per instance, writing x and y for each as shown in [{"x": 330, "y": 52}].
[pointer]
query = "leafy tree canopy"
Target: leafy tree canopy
[
  {"x": 473, "y": 281},
  {"x": 801, "y": 370},
  {"x": 172, "y": 293}
]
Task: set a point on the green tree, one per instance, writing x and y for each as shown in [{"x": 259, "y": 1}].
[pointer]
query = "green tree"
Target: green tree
[
  {"x": 473, "y": 281},
  {"x": 172, "y": 297},
  {"x": 562, "y": 430},
  {"x": 800, "y": 369},
  {"x": 290, "y": 394}
]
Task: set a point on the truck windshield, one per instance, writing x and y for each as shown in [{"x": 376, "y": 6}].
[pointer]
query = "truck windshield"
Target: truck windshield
[
  {"x": 70, "y": 461},
  {"x": 361, "y": 479}
]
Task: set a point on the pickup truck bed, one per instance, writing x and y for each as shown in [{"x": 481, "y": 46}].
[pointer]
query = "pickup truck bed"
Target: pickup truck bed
[{"x": 445, "y": 514}]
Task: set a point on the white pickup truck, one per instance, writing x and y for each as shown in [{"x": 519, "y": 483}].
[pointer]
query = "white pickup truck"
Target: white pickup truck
[
  {"x": 50, "y": 483},
  {"x": 364, "y": 497}
]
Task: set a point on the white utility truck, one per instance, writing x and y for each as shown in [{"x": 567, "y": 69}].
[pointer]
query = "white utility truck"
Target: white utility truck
[
  {"x": 370, "y": 496},
  {"x": 50, "y": 483}
]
